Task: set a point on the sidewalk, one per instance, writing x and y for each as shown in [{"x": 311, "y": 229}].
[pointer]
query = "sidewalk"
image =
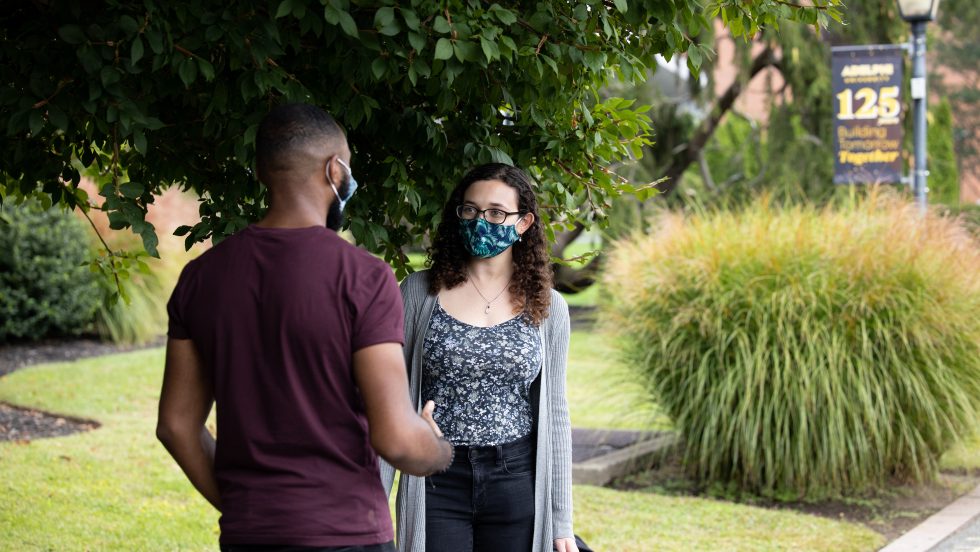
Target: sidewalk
[
  {"x": 955, "y": 528},
  {"x": 967, "y": 539}
]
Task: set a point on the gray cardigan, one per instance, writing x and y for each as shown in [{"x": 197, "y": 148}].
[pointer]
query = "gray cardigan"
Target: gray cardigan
[{"x": 553, "y": 478}]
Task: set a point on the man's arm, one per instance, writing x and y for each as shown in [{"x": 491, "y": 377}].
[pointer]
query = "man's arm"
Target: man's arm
[
  {"x": 408, "y": 441},
  {"x": 185, "y": 403}
]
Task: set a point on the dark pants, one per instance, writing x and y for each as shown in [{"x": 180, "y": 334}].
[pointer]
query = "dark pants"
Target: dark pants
[
  {"x": 386, "y": 547},
  {"x": 484, "y": 502}
]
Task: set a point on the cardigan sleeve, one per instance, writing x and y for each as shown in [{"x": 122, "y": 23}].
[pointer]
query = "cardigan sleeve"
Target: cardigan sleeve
[
  {"x": 561, "y": 428},
  {"x": 413, "y": 288}
]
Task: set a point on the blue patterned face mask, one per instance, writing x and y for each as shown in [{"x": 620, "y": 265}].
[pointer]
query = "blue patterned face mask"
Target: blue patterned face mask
[{"x": 485, "y": 239}]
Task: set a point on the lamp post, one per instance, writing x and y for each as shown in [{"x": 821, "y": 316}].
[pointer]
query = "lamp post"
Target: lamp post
[{"x": 918, "y": 13}]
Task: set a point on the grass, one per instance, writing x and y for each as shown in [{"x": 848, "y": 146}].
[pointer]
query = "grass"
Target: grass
[
  {"x": 650, "y": 522},
  {"x": 963, "y": 457},
  {"x": 601, "y": 393},
  {"x": 115, "y": 488}
]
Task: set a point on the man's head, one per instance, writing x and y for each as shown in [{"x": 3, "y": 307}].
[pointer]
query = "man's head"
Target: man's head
[{"x": 301, "y": 150}]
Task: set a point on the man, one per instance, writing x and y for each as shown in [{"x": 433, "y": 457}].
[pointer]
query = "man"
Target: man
[{"x": 296, "y": 335}]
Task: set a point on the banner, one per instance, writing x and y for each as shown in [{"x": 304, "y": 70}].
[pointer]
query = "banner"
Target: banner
[{"x": 867, "y": 83}]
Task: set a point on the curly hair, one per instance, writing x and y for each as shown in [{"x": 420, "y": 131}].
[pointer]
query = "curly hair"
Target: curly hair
[{"x": 530, "y": 288}]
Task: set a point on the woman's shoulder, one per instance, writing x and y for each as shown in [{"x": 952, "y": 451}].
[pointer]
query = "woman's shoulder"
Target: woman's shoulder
[
  {"x": 415, "y": 285},
  {"x": 558, "y": 311}
]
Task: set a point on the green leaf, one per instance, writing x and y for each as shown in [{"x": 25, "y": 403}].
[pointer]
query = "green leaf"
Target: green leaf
[
  {"x": 156, "y": 41},
  {"x": 128, "y": 25},
  {"x": 411, "y": 19},
  {"x": 465, "y": 50},
  {"x": 694, "y": 56},
  {"x": 503, "y": 15},
  {"x": 347, "y": 24},
  {"x": 285, "y": 8},
  {"x": 621, "y": 5},
  {"x": 384, "y": 17},
  {"x": 150, "y": 241},
  {"x": 441, "y": 25},
  {"x": 207, "y": 70},
  {"x": 331, "y": 14},
  {"x": 187, "y": 71},
  {"x": 444, "y": 49},
  {"x": 57, "y": 117},
  {"x": 132, "y": 190},
  {"x": 416, "y": 40},
  {"x": 136, "y": 51},
  {"x": 35, "y": 122},
  {"x": 72, "y": 34},
  {"x": 490, "y": 49},
  {"x": 378, "y": 68},
  {"x": 139, "y": 141}
]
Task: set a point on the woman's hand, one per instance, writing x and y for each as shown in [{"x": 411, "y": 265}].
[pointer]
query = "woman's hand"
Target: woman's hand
[{"x": 565, "y": 545}]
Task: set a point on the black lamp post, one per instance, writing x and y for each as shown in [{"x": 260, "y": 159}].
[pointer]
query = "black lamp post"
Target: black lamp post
[{"x": 918, "y": 13}]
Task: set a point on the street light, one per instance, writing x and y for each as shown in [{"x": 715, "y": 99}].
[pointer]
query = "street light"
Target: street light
[{"x": 918, "y": 13}]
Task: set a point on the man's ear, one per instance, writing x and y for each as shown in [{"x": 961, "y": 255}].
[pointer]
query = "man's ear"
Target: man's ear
[{"x": 335, "y": 172}]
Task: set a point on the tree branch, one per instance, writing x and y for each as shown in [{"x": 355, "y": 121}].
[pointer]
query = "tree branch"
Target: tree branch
[{"x": 689, "y": 153}]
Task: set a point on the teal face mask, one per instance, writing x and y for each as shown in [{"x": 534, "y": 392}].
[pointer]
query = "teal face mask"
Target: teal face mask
[{"x": 484, "y": 239}]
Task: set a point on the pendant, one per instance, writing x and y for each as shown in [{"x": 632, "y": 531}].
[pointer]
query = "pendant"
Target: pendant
[{"x": 487, "y": 310}]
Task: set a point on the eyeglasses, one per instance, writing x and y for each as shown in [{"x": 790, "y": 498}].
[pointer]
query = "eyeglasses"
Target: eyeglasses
[{"x": 495, "y": 216}]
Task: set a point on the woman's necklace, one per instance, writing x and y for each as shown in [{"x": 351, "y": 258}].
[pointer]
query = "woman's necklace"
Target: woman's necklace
[{"x": 488, "y": 301}]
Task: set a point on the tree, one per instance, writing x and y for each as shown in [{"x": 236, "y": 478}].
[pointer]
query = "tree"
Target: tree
[
  {"x": 153, "y": 94},
  {"x": 723, "y": 159},
  {"x": 958, "y": 54}
]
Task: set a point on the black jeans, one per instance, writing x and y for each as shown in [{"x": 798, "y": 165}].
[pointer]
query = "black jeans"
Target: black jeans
[
  {"x": 386, "y": 547},
  {"x": 484, "y": 502}
]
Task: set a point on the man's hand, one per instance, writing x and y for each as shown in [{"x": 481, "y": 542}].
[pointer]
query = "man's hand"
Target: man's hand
[
  {"x": 427, "y": 411},
  {"x": 566, "y": 545},
  {"x": 185, "y": 403},
  {"x": 408, "y": 441}
]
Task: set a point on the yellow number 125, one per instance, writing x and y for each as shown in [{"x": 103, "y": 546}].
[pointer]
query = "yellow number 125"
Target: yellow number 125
[{"x": 883, "y": 104}]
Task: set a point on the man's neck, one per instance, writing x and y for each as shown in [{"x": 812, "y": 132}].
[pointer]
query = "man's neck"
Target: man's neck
[{"x": 294, "y": 212}]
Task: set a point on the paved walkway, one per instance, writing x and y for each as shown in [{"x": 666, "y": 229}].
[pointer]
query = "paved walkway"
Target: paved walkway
[
  {"x": 955, "y": 528},
  {"x": 967, "y": 539}
]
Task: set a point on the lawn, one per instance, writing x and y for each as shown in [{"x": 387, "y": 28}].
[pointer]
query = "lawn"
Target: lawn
[{"x": 116, "y": 489}]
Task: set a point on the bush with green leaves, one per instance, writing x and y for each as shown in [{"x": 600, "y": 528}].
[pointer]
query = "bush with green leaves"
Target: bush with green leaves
[
  {"x": 149, "y": 94},
  {"x": 805, "y": 352},
  {"x": 45, "y": 287}
]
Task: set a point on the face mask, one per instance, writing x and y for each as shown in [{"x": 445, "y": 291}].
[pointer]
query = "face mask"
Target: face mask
[
  {"x": 351, "y": 186},
  {"x": 484, "y": 239}
]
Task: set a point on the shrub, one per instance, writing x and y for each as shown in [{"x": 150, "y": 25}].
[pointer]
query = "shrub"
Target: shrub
[
  {"x": 144, "y": 317},
  {"x": 45, "y": 289},
  {"x": 944, "y": 176},
  {"x": 804, "y": 352}
]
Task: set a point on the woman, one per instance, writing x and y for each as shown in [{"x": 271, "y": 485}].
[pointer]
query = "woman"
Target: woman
[{"x": 486, "y": 338}]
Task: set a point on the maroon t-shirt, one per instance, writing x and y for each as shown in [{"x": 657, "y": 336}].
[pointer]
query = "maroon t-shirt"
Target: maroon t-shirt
[{"x": 276, "y": 315}]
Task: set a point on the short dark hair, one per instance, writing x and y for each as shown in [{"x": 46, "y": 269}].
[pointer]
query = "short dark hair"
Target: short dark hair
[{"x": 289, "y": 128}]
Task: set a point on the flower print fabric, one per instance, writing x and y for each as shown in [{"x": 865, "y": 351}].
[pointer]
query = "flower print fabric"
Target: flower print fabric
[{"x": 480, "y": 378}]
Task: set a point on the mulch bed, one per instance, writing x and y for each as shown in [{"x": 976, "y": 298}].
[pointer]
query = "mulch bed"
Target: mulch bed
[
  {"x": 18, "y": 355},
  {"x": 28, "y": 424}
]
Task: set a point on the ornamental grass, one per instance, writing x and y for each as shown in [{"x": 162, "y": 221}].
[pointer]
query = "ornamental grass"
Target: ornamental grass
[{"x": 805, "y": 352}]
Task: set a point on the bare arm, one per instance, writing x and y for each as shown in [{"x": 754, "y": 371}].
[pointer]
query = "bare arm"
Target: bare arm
[
  {"x": 408, "y": 441},
  {"x": 185, "y": 403}
]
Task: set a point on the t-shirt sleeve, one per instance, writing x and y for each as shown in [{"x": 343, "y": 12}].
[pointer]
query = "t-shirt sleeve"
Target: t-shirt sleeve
[
  {"x": 379, "y": 313},
  {"x": 176, "y": 329}
]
